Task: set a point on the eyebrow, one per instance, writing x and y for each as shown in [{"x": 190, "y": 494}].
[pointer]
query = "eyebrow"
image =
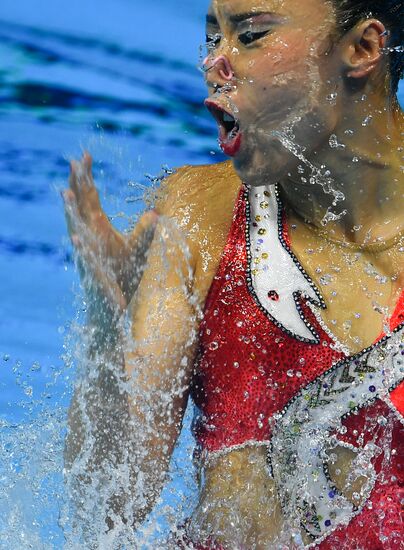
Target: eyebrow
[{"x": 237, "y": 18}]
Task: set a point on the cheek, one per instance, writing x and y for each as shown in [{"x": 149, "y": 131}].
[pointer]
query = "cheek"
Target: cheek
[{"x": 277, "y": 77}]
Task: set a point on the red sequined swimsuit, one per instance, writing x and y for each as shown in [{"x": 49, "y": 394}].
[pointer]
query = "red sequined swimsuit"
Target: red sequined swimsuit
[{"x": 250, "y": 367}]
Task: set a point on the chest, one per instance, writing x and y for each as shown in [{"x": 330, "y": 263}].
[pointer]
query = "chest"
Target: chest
[
  {"x": 358, "y": 293},
  {"x": 361, "y": 290}
]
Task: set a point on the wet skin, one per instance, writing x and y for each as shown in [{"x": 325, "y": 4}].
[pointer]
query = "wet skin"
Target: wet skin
[{"x": 284, "y": 73}]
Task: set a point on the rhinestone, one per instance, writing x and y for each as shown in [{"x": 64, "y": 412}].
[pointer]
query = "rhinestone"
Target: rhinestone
[{"x": 273, "y": 295}]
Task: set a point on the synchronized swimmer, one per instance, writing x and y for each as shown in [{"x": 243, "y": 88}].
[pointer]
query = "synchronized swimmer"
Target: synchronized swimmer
[{"x": 276, "y": 303}]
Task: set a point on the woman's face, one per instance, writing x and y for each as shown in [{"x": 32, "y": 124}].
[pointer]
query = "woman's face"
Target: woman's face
[{"x": 268, "y": 67}]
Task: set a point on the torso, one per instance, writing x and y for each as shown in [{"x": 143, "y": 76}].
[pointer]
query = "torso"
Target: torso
[
  {"x": 360, "y": 292},
  {"x": 372, "y": 281}
]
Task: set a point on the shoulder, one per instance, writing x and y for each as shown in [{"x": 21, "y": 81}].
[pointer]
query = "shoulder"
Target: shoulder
[
  {"x": 200, "y": 201},
  {"x": 191, "y": 187}
]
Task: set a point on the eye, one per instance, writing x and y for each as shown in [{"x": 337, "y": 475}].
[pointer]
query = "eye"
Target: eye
[
  {"x": 213, "y": 40},
  {"x": 249, "y": 36}
]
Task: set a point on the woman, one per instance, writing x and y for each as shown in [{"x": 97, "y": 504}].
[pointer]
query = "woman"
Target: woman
[{"x": 273, "y": 291}]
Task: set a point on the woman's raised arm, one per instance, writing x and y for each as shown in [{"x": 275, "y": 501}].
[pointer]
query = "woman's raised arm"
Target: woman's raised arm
[{"x": 133, "y": 386}]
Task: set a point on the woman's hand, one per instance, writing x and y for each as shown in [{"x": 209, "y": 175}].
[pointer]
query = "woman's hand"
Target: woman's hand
[{"x": 110, "y": 264}]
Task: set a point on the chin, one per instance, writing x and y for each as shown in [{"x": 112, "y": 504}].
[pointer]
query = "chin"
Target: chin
[{"x": 264, "y": 164}]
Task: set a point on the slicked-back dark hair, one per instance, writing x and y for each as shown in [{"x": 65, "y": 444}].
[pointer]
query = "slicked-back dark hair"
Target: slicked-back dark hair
[{"x": 391, "y": 14}]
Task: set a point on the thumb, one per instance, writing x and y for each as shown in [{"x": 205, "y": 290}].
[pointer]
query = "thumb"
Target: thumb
[{"x": 143, "y": 232}]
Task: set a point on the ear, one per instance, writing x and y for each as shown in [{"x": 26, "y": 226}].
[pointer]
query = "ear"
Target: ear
[{"x": 362, "y": 49}]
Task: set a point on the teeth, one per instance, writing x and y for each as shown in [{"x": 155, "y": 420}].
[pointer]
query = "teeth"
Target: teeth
[{"x": 227, "y": 118}]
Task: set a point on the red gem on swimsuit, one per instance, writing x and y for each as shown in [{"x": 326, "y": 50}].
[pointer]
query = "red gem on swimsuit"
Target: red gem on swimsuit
[{"x": 273, "y": 295}]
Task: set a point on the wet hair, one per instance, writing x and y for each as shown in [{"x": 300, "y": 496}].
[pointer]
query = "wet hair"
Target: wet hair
[{"x": 391, "y": 14}]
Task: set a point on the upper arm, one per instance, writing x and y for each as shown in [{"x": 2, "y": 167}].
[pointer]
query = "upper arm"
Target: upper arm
[{"x": 164, "y": 320}]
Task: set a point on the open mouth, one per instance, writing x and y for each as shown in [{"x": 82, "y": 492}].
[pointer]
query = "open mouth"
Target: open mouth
[{"x": 229, "y": 128}]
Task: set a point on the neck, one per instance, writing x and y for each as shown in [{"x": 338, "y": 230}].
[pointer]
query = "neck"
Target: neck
[{"x": 351, "y": 186}]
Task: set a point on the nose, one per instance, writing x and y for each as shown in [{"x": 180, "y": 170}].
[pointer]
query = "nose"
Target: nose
[{"x": 218, "y": 69}]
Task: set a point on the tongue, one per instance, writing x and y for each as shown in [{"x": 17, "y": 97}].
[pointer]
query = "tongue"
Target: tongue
[{"x": 230, "y": 142}]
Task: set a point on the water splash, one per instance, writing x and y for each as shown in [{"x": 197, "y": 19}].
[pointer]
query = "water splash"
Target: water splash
[{"x": 318, "y": 175}]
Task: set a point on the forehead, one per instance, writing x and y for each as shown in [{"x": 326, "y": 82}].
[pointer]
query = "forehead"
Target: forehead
[{"x": 298, "y": 8}]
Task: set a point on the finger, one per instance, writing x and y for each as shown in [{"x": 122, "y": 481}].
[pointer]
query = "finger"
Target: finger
[
  {"x": 71, "y": 211},
  {"x": 88, "y": 161},
  {"x": 73, "y": 183},
  {"x": 91, "y": 200},
  {"x": 82, "y": 185},
  {"x": 144, "y": 229},
  {"x": 87, "y": 169}
]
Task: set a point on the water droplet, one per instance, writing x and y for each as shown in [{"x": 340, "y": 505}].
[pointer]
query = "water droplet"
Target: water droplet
[
  {"x": 367, "y": 120},
  {"x": 28, "y": 391},
  {"x": 6, "y": 357},
  {"x": 347, "y": 325},
  {"x": 290, "y": 373},
  {"x": 213, "y": 346},
  {"x": 332, "y": 98},
  {"x": 325, "y": 279},
  {"x": 36, "y": 366},
  {"x": 236, "y": 364},
  {"x": 334, "y": 143}
]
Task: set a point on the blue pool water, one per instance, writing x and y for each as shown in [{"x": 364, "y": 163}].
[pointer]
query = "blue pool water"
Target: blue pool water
[
  {"x": 116, "y": 77},
  {"x": 120, "y": 78}
]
